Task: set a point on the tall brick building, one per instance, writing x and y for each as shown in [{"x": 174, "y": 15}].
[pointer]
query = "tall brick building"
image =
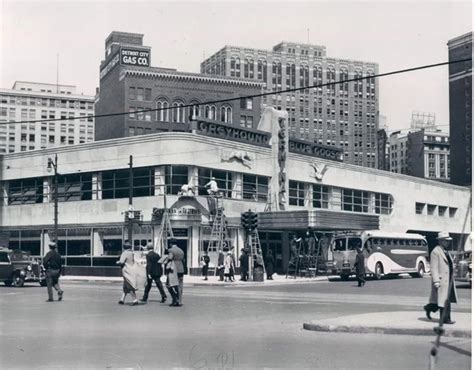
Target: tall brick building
[
  {"x": 129, "y": 83},
  {"x": 460, "y": 109},
  {"x": 343, "y": 115}
]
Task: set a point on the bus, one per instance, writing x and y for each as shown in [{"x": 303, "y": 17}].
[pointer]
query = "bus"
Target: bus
[{"x": 385, "y": 253}]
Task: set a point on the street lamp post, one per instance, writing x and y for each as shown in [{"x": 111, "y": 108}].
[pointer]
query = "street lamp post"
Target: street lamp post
[{"x": 53, "y": 165}]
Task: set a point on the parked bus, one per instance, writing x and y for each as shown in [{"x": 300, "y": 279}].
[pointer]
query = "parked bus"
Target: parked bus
[{"x": 385, "y": 253}]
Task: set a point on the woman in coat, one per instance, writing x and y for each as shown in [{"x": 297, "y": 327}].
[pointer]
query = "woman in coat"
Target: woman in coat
[
  {"x": 228, "y": 266},
  {"x": 127, "y": 262},
  {"x": 270, "y": 263},
  {"x": 172, "y": 281},
  {"x": 360, "y": 267},
  {"x": 443, "y": 292}
]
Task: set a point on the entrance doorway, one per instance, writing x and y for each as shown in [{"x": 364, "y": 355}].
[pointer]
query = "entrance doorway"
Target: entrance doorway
[
  {"x": 182, "y": 240},
  {"x": 273, "y": 241}
]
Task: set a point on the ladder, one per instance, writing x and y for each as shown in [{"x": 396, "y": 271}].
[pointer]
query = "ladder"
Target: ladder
[
  {"x": 255, "y": 252},
  {"x": 294, "y": 263},
  {"x": 218, "y": 237},
  {"x": 165, "y": 233}
]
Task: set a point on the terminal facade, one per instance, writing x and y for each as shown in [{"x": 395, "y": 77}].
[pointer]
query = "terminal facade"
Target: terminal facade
[{"x": 323, "y": 194}]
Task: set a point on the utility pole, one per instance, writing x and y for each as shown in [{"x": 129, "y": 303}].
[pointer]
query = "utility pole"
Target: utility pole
[
  {"x": 130, "y": 202},
  {"x": 53, "y": 165}
]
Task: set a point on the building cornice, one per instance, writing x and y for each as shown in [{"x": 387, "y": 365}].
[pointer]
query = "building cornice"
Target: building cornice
[
  {"x": 191, "y": 77},
  {"x": 47, "y": 95}
]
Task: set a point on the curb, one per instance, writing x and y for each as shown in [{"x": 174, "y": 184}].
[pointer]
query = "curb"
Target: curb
[{"x": 383, "y": 330}]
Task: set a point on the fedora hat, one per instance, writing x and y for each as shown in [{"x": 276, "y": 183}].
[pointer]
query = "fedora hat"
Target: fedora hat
[
  {"x": 444, "y": 235},
  {"x": 149, "y": 246}
]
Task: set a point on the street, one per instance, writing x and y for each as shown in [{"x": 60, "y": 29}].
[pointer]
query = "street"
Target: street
[{"x": 218, "y": 327}]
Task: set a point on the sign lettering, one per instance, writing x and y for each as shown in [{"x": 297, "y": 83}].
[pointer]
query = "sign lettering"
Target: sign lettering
[
  {"x": 233, "y": 133},
  {"x": 133, "y": 57}
]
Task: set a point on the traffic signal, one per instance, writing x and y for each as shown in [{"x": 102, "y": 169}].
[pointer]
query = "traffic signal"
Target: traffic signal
[
  {"x": 245, "y": 220},
  {"x": 253, "y": 221}
]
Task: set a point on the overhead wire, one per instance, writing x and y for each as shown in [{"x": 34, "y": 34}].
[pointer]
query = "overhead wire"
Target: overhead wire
[{"x": 400, "y": 71}]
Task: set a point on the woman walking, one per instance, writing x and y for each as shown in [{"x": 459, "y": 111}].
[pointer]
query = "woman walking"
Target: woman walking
[
  {"x": 172, "y": 281},
  {"x": 228, "y": 266},
  {"x": 270, "y": 263},
  {"x": 127, "y": 262}
]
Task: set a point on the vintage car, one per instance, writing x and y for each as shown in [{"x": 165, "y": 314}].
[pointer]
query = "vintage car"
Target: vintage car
[
  {"x": 18, "y": 267},
  {"x": 463, "y": 267}
]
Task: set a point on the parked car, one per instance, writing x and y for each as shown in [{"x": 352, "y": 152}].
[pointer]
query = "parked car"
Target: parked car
[
  {"x": 18, "y": 267},
  {"x": 463, "y": 267}
]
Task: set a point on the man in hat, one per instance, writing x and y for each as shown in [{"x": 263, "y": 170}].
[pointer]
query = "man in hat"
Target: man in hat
[
  {"x": 212, "y": 185},
  {"x": 443, "y": 290},
  {"x": 154, "y": 271},
  {"x": 52, "y": 265},
  {"x": 176, "y": 254}
]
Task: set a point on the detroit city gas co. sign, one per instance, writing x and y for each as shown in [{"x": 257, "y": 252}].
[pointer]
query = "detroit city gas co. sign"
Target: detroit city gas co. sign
[{"x": 134, "y": 57}]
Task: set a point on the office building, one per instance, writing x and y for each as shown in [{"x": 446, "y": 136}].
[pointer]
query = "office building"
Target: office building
[
  {"x": 343, "y": 115},
  {"x": 31, "y": 101},
  {"x": 460, "y": 109},
  {"x": 128, "y": 83}
]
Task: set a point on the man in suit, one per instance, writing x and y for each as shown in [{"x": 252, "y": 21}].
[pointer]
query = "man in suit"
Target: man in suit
[
  {"x": 176, "y": 254},
  {"x": 443, "y": 289},
  {"x": 360, "y": 267},
  {"x": 154, "y": 271},
  {"x": 52, "y": 264}
]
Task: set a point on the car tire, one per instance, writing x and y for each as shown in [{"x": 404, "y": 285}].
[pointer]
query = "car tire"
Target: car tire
[
  {"x": 378, "y": 271},
  {"x": 8, "y": 283},
  {"x": 18, "y": 281}
]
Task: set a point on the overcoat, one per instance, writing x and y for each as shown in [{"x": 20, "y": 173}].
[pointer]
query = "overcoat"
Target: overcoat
[
  {"x": 270, "y": 262},
  {"x": 127, "y": 260},
  {"x": 440, "y": 262},
  {"x": 360, "y": 265}
]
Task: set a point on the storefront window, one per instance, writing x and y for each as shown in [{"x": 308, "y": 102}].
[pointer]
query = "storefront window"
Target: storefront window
[
  {"x": 296, "y": 197},
  {"x": 255, "y": 188},
  {"x": 383, "y": 203},
  {"x": 175, "y": 178},
  {"x": 26, "y": 240},
  {"x": 223, "y": 179},
  {"x": 25, "y": 191}
]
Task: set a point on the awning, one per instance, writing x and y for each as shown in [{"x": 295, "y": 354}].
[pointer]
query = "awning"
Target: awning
[{"x": 317, "y": 219}]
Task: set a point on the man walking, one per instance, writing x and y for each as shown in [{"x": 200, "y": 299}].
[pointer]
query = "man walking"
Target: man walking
[
  {"x": 205, "y": 264},
  {"x": 244, "y": 265},
  {"x": 176, "y": 254},
  {"x": 52, "y": 265},
  {"x": 360, "y": 267},
  {"x": 154, "y": 271},
  {"x": 443, "y": 289}
]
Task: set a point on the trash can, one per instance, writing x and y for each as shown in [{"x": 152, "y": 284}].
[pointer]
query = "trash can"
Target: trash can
[{"x": 258, "y": 274}]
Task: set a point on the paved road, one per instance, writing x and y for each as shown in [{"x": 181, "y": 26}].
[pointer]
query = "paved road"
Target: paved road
[{"x": 218, "y": 327}]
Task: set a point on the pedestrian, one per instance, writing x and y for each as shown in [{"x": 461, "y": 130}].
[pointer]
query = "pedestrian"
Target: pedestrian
[
  {"x": 270, "y": 263},
  {"x": 360, "y": 267},
  {"x": 244, "y": 265},
  {"x": 443, "y": 289},
  {"x": 205, "y": 264},
  {"x": 172, "y": 280},
  {"x": 177, "y": 255},
  {"x": 220, "y": 264},
  {"x": 154, "y": 271},
  {"x": 227, "y": 265},
  {"x": 127, "y": 261},
  {"x": 232, "y": 269},
  {"x": 52, "y": 264}
]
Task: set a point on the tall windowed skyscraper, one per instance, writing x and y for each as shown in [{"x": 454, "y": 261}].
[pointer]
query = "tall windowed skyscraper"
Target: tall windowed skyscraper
[
  {"x": 344, "y": 115},
  {"x": 460, "y": 109}
]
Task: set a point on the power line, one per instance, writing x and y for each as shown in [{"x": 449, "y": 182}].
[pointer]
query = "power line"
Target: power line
[{"x": 427, "y": 66}]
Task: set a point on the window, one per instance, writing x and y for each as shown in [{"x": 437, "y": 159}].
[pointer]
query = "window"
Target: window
[
  {"x": 115, "y": 184},
  {"x": 223, "y": 179},
  {"x": 25, "y": 191},
  {"x": 452, "y": 212},
  {"x": 74, "y": 187},
  {"x": 355, "y": 200},
  {"x": 226, "y": 114},
  {"x": 320, "y": 196},
  {"x": 162, "y": 113},
  {"x": 210, "y": 112},
  {"x": 178, "y": 112},
  {"x": 148, "y": 94},
  {"x": 296, "y": 197},
  {"x": 175, "y": 178},
  {"x": 255, "y": 188},
  {"x": 140, "y": 93},
  {"x": 431, "y": 209},
  {"x": 419, "y": 208},
  {"x": 383, "y": 203},
  {"x": 442, "y": 211},
  {"x": 246, "y": 103}
]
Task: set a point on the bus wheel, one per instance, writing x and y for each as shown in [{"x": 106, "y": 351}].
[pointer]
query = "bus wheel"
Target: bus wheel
[
  {"x": 378, "y": 271},
  {"x": 420, "y": 271},
  {"x": 344, "y": 277}
]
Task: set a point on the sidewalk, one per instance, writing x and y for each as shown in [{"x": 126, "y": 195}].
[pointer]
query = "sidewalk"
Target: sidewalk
[
  {"x": 398, "y": 322},
  {"x": 198, "y": 280}
]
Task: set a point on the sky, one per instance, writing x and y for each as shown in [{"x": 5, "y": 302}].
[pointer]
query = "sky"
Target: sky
[{"x": 394, "y": 34}]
